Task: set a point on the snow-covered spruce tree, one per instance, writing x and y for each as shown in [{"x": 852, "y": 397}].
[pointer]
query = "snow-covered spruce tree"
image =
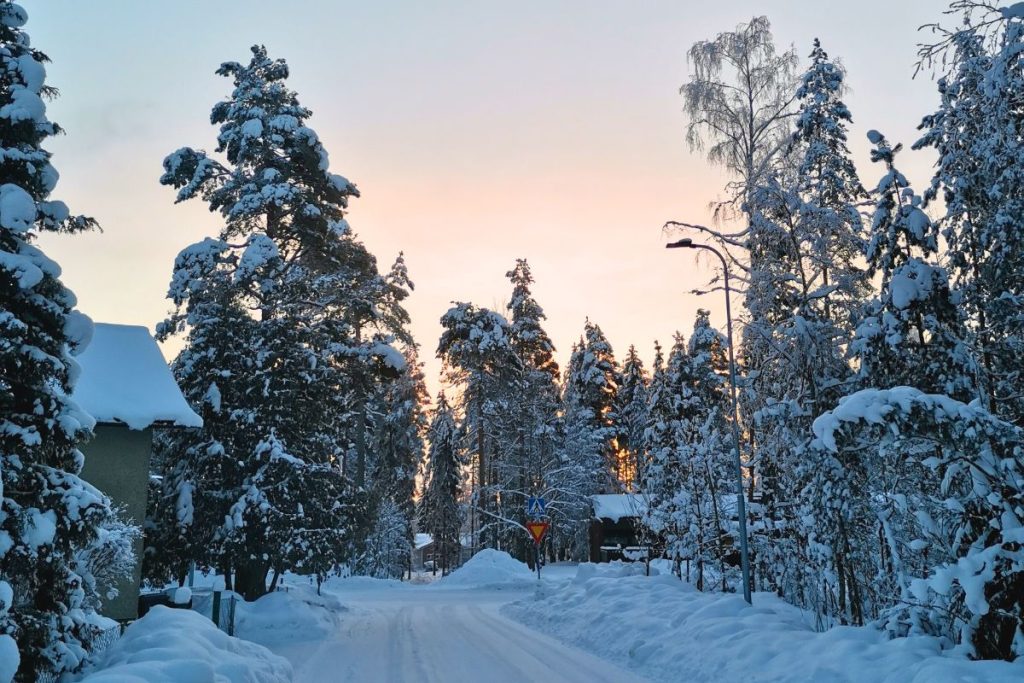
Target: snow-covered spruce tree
[
  {"x": 686, "y": 482},
  {"x": 650, "y": 480},
  {"x": 977, "y": 132},
  {"x": 914, "y": 332},
  {"x": 50, "y": 519},
  {"x": 583, "y": 470},
  {"x": 386, "y": 550},
  {"x": 374, "y": 309},
  {"x": 319, "y": 316},
  {"x": 830, "y": 190},
  {"x": 198, "y": 481},
  {"x": 400, "y": 425},
  {"x": 666, "y": 485},
  {"x": 631, "y": 413},
  {"x": 592, "y": 387},
  {"x": 478, "y": 358},
  {"x": 707, "y": 445},
  {"x": 859, "y": 513},
  {"x": 804, "y": 283},
  {"x": 533, "y": 426},
  {"x": 440, "y": 512}
]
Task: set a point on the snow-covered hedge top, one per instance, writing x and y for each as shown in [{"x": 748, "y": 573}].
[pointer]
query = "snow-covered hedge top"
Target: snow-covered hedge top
[
  {"x": 126, "y": 380},
  {"x": 178, "y": 645},
  {"x": 615, "y": 506}
]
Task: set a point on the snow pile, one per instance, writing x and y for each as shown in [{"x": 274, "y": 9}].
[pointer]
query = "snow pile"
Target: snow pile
[
  {"x": 489, "y": 568},
  {"x": 666, "y": 630},
  {"x": 284, "y": 616},
  {"x": 177, "y": 645},
  {"x": 126, "y": 379}
]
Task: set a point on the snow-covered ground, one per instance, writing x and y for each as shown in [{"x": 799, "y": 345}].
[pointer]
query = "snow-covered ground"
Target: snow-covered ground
[
  {"x": 492, "y": 620},
  {"x": 666, "y": 630},
  {"x": 450, "y": 630}
]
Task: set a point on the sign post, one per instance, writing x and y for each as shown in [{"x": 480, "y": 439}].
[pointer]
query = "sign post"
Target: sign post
[{"x": 537, "y": 529}]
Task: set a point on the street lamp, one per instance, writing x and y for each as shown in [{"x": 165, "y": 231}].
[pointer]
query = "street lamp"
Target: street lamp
[{"x": 741, "y": 506}]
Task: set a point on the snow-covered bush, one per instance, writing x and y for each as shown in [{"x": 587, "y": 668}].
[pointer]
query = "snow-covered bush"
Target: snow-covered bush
[
  {"x": 109, "y": 559},
  {"x": 914, "y": 506}
]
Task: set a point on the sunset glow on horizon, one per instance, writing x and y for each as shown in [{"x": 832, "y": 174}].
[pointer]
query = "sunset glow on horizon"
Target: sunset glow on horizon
[{"x": 477, "y": 134}]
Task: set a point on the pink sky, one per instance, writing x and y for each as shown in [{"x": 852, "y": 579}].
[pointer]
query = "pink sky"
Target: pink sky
[{"x": 478, "y": 133}]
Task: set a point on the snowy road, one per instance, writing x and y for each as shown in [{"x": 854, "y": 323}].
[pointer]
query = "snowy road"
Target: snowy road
[{"x": 425, "y": 634}]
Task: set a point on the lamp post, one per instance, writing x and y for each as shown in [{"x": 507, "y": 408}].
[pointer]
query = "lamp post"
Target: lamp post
[{"x": 741, "y": 506}]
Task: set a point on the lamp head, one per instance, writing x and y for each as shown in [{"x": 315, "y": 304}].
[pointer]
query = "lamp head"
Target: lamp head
[{"x": 685, "y": 242}]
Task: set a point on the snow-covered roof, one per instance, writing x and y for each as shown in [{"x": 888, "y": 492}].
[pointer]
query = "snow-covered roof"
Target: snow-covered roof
[
  {"x": 423, "y": 540},
  {"x": 125, "y": 380},
  {"x": 615, "y": 506}
]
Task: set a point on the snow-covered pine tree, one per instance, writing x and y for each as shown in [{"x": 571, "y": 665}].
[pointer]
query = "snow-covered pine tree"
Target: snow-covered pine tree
[
  {"x": 631, "y": 413},
  {"x": 321, "y": 315},
  {"x": 386, "y": 551},
  {"x": 478, "y": 357},
  {"x": 440, "y": 511},
  {"x": 50, "y": 519}
]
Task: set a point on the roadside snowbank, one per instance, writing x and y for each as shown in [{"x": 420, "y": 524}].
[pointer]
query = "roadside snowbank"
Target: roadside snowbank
[
  {"x": 666, "y": 630},
  {"x": 178, "y": 645},
  {"x": 488, "y": 568},
  {"x": 284, "y": 616}
]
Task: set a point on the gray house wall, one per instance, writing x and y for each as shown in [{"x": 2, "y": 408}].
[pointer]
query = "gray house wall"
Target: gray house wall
[{"x": 117, "y": 463}]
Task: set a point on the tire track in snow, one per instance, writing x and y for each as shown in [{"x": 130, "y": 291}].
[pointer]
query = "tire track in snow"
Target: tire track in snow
[{"x": 577, "y": 667}]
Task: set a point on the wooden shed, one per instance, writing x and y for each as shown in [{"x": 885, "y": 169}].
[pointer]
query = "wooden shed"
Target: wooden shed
[
  {"x": 127, "y": 386},
  {"x": 615, "y": 527}
]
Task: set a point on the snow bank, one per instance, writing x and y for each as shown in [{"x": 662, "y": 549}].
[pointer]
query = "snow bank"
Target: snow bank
[
  {"x": 125, "y": 379},
  {"x": 285, "y": 616},
  {"x": 666, "y": 630},
  {"x": 181, "y": 646},
  {"x": 488, "y": 568}
]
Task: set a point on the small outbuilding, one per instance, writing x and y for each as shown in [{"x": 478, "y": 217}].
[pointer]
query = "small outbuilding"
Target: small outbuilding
[
  {"x": 615, "y": 527},
  {"x": 422, "y": 551},
  {"x": 127, "y": 386}
]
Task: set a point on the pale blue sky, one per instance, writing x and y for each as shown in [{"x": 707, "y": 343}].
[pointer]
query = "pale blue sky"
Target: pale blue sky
[{"x": 478, "y": 132}]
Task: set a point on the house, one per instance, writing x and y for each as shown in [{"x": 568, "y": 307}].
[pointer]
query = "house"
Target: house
[
  {"x": 615, "y": 527},
  {"x": 126, "y": 385},
  {"x": 422, "y": 551}
]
